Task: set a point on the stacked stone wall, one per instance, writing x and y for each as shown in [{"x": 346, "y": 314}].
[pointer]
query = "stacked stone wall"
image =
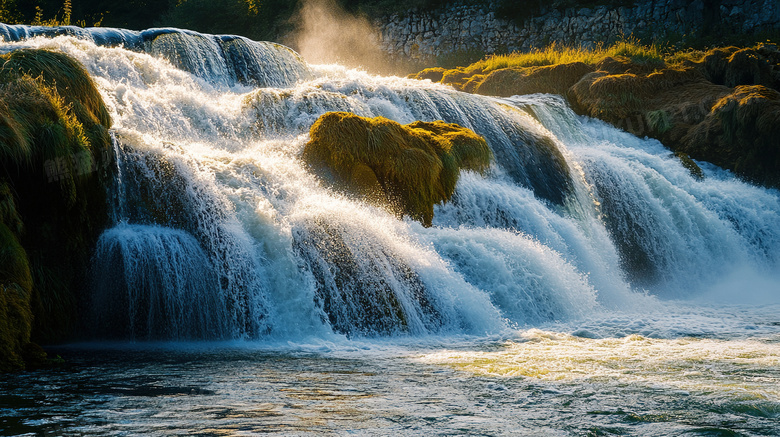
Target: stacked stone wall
[{"x": 461, "y": 26}]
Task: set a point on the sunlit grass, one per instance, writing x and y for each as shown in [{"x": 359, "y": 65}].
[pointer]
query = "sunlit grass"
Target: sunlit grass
[
  {"x": 560, "y": 54},
  {"x": 651, "y": 55}
]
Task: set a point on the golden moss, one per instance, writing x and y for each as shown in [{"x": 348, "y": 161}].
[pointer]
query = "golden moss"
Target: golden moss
[
  {"x": 456, "y": 77},
  {"x": 405, "y": 168},
  {"x": 70, "y": 79},
  {"x": 614, "y": 97},
  {"x": 554, "y": 79},
  {"x": 434, "y": 74},
  {"x": 554, "y": 54}
]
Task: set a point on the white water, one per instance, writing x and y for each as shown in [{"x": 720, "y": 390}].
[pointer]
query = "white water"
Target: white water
[
  {"x": 579, "y": 241},
  {"x": 538, "y": 239}
]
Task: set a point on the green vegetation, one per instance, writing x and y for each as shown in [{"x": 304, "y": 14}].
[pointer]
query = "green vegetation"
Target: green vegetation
[
  {"x": 556, "y": 54},
  {"x": 406, "y": 168},
  {"x": 15, "y": 286},
  {"x": 53, "y": 143},
  {"x": 629, "y": 51}
]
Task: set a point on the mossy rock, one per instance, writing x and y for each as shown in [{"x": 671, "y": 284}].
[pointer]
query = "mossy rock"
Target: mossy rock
[
  {"x": 434, "y": 74},
  {"x": 55, "y": 152},
  {"x": 741, "y": 133},
  {"x": 550, "y": 79},
  {"x": 732, "y": 66},
  {"x": 457, "y": 78},
  {"x": 623, "y": 65},
  {"x": 406, "y": 169},
  {"x": 690, "y": 165},
  {"x": 15, "y": 291}
]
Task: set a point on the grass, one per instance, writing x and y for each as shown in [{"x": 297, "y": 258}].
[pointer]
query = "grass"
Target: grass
[{"x": 558, "y": 54}]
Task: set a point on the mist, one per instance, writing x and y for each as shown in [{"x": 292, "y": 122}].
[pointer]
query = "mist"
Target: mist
[{"x": 327, "y": 34}]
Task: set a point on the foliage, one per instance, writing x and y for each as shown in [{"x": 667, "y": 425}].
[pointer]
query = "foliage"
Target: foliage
[
  {"x": 556, "y": 54},
  {"x": 409, "y": 167},
  {"x": 9, "y": 13},
  {"x": 659, "y": 121}
]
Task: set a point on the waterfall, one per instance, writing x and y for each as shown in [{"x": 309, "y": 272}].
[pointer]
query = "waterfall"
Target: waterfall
[{"x": 222, "y": 232}]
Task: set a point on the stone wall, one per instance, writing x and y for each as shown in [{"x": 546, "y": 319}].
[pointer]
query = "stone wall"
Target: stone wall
[{"x": 461, "y": 26}]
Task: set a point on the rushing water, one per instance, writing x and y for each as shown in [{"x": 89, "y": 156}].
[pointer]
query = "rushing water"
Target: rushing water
[{"x": 587, "y": 284}]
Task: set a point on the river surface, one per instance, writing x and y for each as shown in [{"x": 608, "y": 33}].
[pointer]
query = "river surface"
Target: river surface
[{"x": 715, "y": 373}]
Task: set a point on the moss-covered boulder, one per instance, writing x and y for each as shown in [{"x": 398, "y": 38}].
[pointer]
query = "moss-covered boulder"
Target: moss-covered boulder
[
  {"x": 741, "y": 132},
  {"x": 732, "y": 66},
  {"x": 54, "y": 154},
  {"x": 434, "y": 74},
  {"x": 735, "y": 128},
  {"x": 552, "y": 79},
  {"x": 405, "y": 168}
]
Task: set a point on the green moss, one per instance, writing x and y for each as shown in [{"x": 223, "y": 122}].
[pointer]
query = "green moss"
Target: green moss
[
  {"x": 412, "y": 167},
  {"x": 54, "y": 147},
  {"x": 70, "y": 79},
  {"x": 15, "y": 287},
  {"x": 659, "y": 121},
  {"x": 689, "y": 164}
]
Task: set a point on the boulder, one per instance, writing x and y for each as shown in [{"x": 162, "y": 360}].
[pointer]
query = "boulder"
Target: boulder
[
  {"x": 54, "y": 153},
  {"x": 406, "y": 169}
]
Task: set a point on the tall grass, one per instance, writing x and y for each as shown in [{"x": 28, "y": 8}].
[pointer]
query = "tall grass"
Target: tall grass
[{"x": 559, "y": 54}]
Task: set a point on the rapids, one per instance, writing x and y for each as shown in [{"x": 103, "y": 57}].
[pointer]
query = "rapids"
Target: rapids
[{"x": 579, "y": 237}]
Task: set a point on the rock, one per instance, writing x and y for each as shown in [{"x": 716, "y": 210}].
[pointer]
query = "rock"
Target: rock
[
  {"x": 554, "y": 79},
  {"x": 406, "y": 169},
  {"x": 55, "y": 153}
]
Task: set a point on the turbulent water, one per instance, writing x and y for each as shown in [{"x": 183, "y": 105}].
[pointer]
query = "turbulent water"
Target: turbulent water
[{"x": 587, "y": 284}]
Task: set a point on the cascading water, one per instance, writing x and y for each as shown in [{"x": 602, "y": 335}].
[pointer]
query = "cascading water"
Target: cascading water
[
  {"x": 559, "y": 271},
  {"x": 573, "y": 216}
]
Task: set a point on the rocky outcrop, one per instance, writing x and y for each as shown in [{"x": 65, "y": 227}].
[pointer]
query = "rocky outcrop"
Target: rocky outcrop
[
  {"x": 721, "y": 107},
  {"x": 464, "y": 26},
  {"x": 551, "y": 79},
  {"x": 54, "y": 151},
  {"x": 405, "y": 168}
]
